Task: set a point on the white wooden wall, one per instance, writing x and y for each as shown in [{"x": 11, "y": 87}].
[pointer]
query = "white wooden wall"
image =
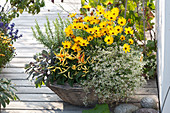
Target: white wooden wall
[{"x": 163, "y": 33}]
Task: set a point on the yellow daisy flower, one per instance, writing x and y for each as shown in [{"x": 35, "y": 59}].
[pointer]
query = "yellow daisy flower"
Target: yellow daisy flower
[
  {"x": 121, "y": 21},
  {"x": 119, "y": 29},
  {"x": 98, "y": 34},
  {"x": 72, "y": 15},
  {"x": 122, "y": 37},
  {"x": 104, "y": 31},
  {"x": 128, "y": 30},
  {"x": 85, "y": 27},
  {"x": 100, "y": 12},
  {"x": 87, "y": 19},
  {"x": 80, "y": 25},
  {"x": 75, "y": 20},
  {"x": 115, "y": 11},
  {"x": 110, "y": 27},
  {"x": 107, "y": 13},
  {"x": 90, "y": 38},
  {"x": 130, "y": 41},
  {"x": 103, "y": 24},
  {"x": 87, "y": 6},
  {"x": 113, "y": 32},
  {"x": 93, "y": 22},
  {"x": 84, "y": 43},
  {"x": 66, "y": 44},
  {"x": 99, "y": 7},
  {"x": 96, "y": 29},
  {"x": 90, "y": 30},
  {"x": 111, "y": 17},
  {"x": 110, "y": 23},
  {"x": 126, "y": 48},
  {"x": 109, "y": 40},
  {"x": 78, "y": 40},
  {"x": 74, "y": 26},
  {"x": 76, "y": 47}
]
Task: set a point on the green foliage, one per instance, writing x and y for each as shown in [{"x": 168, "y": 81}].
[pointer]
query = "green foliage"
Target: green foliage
[
  {"x": 32, "y": 6},
  {"x": 100, "y": 108},
  {"x": 51, "y": 38},
  {"x": 39, "y": 68},
  {"x": 6, "y": 92}
]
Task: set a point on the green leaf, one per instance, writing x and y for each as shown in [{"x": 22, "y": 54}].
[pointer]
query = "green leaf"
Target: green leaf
[
  {"x": 2, "y": 102},
  {"x": 100, "y": 108},
  {"x": 39, "y": 80},
  {"x": 71, "y": 82}
]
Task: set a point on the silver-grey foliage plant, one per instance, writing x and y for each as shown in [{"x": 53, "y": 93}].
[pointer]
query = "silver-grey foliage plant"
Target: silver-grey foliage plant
[{"x": 116, "y": 75}]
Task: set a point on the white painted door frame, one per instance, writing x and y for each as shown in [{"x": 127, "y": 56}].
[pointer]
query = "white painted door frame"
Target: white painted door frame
[{"x": 163, "y": 56}]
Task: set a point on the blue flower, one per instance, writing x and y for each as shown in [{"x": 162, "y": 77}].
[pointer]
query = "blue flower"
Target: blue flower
[
  {"x": 12, "y": 25},
  {"x": 6, "y": 25},
  {"x": 12, "y": 29},
  {"x": 0, "y": 17},
  {"x": 16, "y": 32},
  {"x": 16, "y": 37},
  {"x": 20, "y": 36},
  {"x": 1, "y": 24},
  {"x": 10, "y": 33}
]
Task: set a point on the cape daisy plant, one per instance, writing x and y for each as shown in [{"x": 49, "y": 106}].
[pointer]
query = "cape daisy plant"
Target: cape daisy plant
[{"x": 103, "y": 27}]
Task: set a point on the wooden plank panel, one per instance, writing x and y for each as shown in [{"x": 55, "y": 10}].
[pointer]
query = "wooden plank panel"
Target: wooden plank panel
[
  {"x": 44, "y": 106},
  {"x": 51, "y": 97},
  {"x": 147, "y": 91},
  {"x": 13, "y": 70},
  {"x": 21, "y": 60},
  {"x": 35, "y": 50},
  {"x": 151, "y": 83},
  {"x": 17, "y": 65},
  {"x": 37, "y": 111},
  {"x": 35, "y": 105},
  {"x": 14, "y": 76},
  {"x": 23, "y": 83},
  {"x": 33, "y": 90}
]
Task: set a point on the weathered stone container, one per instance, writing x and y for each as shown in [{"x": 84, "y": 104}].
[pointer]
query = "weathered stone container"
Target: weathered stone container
[{"x": 74, "y": 95}]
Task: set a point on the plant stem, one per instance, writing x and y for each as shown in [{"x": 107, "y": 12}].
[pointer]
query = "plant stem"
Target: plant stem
[
  {"x": 125, "y": 8},
  {"x": 144, "y": 26}
]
